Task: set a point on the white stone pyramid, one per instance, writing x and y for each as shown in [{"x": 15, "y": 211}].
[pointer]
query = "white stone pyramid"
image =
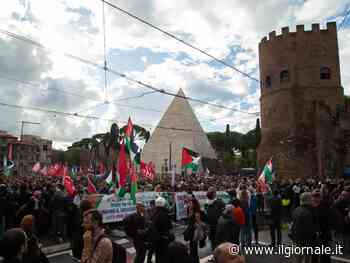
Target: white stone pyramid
[{"x": 181, "y": 117}]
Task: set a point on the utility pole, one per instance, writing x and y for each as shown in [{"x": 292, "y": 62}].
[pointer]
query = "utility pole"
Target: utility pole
[
  {"x": 21, "y": 138},
  {"x": 170, "y": 151}
]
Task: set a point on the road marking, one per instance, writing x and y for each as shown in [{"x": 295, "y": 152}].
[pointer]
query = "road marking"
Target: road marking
[
  {"x": 122, "y": 241},
  {"x": 205, "y": 259},
  {"x": 340, "y": 259},
  {"x": 59, "y": 253}
]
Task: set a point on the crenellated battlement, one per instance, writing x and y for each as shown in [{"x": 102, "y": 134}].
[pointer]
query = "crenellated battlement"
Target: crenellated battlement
[{"x": 300, "y": 29}]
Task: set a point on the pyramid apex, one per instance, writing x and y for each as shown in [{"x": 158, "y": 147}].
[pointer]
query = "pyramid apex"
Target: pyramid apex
[{"x": 181, "y": 93}]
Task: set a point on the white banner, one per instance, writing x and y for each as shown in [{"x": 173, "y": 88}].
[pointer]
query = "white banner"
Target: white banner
[{"x": 114, "y": 209}]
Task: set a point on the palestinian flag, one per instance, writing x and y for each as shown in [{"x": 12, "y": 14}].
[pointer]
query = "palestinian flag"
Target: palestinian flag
[
  {"x": 91, "y": 187},
  {"x": 129, "y": 132},
  {"x": 133, "y": 189},
  {"x": 190, "y": 160},
  {"x": 135, "y": 140},
  {"x": 112, "y": 179},
  {"x": 7, "y": 167},
  {"x": 109, "y": 180},
  {"x": 266, "y": 176}
]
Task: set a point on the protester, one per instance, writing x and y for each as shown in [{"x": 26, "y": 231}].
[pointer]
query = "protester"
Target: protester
[
  {"x": 214, "y": 210},
  {"x": 223, "y": 254},
  {"x": 13, "y": 246},
  {"x": 325, "y": 218},
  {"x": 253, "y": 212},
  {"x": 342, "y": 205},
  {"x": 239, "y": 219},
  {"x": 246, "y": 229},
  {"x": 159, "y": 232},
  {"x": 135, "y": 227},
  {"x": 149, "y": 214},
  {"x": 33, "y": 254},
  {"x": 177, "y": 252},
  {"x": 226, "y": 227},
  {"x": 296, "y": 194},
  {"x": 59, "y": 216},
  {"x": 41, "y": 195},
  {"x": 97, "y": 247},
  {"x": 304, "y": 226},
  {"x": 275, "y": 218},
  {"x": 77, "y": 242}
]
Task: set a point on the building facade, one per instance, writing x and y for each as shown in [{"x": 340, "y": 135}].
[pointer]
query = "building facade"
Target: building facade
[
  {"x": 26, "y": 152},
  {"x": 303, "y": 107}
]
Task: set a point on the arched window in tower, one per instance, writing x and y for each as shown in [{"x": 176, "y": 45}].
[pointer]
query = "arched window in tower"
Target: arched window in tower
[
  {"x": 268, "y": 82},
  {"x": 284, "y": 76},
  {"x": 325, "y": 73}
]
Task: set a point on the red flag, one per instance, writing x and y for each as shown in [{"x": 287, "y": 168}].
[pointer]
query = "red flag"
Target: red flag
[
  {"x": 147, "y": 170},
  {"x": 36, "y": 167},
  {"x": 129, "y": 129},
  {"x": 69, "y": 185},
  {"x": 90, "y": 187},
  {"x": 122, "y": 165},
  {"x": 57, "y": 170}
]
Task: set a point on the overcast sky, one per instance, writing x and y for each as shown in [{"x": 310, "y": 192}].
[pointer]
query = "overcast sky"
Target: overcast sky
[{"x": 228, "y": 29}]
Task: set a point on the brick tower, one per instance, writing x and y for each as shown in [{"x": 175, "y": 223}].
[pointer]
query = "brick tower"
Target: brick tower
[{"x": 298, "y": 71}]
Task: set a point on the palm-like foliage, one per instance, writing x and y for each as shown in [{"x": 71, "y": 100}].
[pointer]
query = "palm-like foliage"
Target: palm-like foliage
[{"x": 104, "y": 147}]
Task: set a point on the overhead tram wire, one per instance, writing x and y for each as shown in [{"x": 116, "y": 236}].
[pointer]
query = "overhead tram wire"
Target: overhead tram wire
[
  {"x": 47, "y": 89},
  {"x": 162, "y": 91},
  {"x": 105, "y": 68},
  {"x": 89, "y": 98},
  {"x": 180, "y": 40},
  {"x": 68, "y": 114},
  {"x": 179, "y": 96},
  {"x": 101, "y": 103}
]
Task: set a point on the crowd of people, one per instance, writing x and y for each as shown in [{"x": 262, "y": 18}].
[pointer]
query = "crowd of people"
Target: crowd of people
[{"x": 31, "y": 206}]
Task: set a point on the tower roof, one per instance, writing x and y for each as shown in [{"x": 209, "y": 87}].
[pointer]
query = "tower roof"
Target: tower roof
[{"x": 185, "y": 131}]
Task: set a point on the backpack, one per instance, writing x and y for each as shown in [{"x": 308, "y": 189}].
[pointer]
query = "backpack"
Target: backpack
[
  {"x": 129, "y": 226},
  {"x": 214, "y": 211},
  {"x": 119, "y": 252}
]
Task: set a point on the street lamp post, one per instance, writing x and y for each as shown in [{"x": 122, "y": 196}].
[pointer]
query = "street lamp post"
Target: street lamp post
[
  {"x": 21, "y": 138},
  {"x": 27, "y": 122}
]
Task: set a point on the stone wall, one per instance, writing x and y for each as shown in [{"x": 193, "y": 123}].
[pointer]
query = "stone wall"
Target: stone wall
[{"x": 294, "y": 80}]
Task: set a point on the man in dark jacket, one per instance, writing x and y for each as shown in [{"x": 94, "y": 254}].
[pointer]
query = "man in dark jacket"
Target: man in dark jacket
[
  {"x": 325, "y": 217},
  {"x": 213, "y": 212},
  {"x": 275, "y": 218},
  {"x": 159, "y": 231},
  {"x": 135, "y": 227},
  {"x": 226, "y": 230},
  {"x": 304, "y": 226},
  {"x": 342, "y": 206}
]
